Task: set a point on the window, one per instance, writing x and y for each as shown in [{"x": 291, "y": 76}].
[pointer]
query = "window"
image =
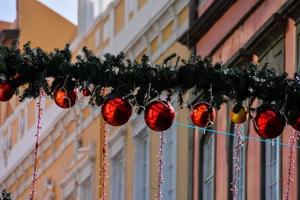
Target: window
[
  {"x": 274, "y": 56},
  {"x": 142, "y": 166},
  {"x": 272, "y": 170},
  {"x": 71, "y": 197},
  {"x": 117, "y": 186},
  {"x": 169, "y": 165},
  {"x": 208, "y": 168},
  {"x": 86, "y": 189}
]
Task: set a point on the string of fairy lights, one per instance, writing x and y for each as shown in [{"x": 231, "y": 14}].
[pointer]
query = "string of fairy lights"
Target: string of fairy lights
[
  {"x": 292, "y": 144},
  {"x": 35, "y": 156}
]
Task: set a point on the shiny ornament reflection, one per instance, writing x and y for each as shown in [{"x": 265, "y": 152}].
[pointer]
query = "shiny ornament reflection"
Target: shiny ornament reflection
[{"x": 159, "y": 115}]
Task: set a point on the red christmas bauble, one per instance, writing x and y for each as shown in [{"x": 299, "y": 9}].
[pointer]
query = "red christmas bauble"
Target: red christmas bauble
[
  {"x": 203, "y": 114},
  {"x": 269, "y": 123},
  {"x": 64, "y": 98},
  {"x": 116, "y": 112},
  {"x": 86, "y": 92},
  {"x": 6, "y": 91},
  {"x": 296, "y": 123},
  {"x": 159, "y": 115}
]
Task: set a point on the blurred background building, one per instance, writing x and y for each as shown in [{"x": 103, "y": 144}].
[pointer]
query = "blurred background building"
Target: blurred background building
[
  {"x": 235, "y": 32},
  {"x": 70, "y": 146}
]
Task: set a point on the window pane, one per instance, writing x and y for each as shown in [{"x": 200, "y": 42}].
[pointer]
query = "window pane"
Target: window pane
[
  {"x": 208, "y": 167},
  {"x": 169, "y": 166},
  {"x": 117, "y": 186},
  {"x": 272, "y": 178},
  {"x": 141, "y": 166}
]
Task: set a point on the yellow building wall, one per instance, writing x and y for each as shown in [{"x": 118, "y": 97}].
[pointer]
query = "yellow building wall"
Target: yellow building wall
[
  {"x": 182, "y": 145},
  {"x": 60, "y": 168},
  {"x": 42, "y": 26},
  {"x": 182, "y": 138},
  {"x": 141, "y": 3},
  {"x": 167, "y": 31},
  {"x": 49, "y": 37},
  {"x": 119, "y": 16}
]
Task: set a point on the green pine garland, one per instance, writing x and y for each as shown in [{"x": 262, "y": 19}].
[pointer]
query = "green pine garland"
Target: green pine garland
[
  {"x": 6, "y": 196},
  {"x": 215, "y": 83}
]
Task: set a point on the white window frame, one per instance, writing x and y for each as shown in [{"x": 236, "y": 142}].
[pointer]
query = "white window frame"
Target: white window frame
[
  {"x": 142, "y": 157},
  {"x": 208, "y": 179},
  {"x": 116, "y": 151},
  {"x": 83, "y": 195},
  {"x": 73, "y": 180},
  {"x": 118, "y": 177},
  {"x": 170, "y": 164},
  {"x": 272, "y": 173}
]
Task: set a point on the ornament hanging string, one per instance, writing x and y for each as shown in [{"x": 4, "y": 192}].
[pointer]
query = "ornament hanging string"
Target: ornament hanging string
[
  {"x": 160, "y": 163},
  {"x": 291, "y": 163},
  {"x": 103, "y": 164},
  {"x": 35, "y": 162},
  {"x": 236, "y": 160}
]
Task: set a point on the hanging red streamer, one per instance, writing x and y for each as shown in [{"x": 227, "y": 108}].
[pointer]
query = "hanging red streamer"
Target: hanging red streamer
[
  {"x": 160, "y": 163},
  {"x": 292, "y": 143},
  {"x": 236, "y": 160},
  {"x": 35, "y": 162}
]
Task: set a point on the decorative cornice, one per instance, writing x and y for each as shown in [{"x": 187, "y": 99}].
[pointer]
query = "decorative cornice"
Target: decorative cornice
[
  {"x": 291, "y": 9},
  {"x": 273, "y": 29},
  {"x": 270, "y": 31},
  {"x": 236, "y": 26},
  {"x": 202, "y": 25}
]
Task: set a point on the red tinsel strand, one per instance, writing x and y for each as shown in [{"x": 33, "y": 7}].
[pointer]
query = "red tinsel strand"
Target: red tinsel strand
[
  {"x": 236, "y": 160},
  {"x": 104, "y": 165},
  {"x": 35, "y": 163},
  {"x": 160, "y": 163},
  {"x": 291, "y": 163}
]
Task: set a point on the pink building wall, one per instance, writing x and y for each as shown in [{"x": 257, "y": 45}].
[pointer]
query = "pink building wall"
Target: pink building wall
[{"x": 222, "y": 41}]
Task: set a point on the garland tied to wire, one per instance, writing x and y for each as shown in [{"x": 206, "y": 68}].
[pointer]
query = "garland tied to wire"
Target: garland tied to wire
[{"x": 25, "y": 73}]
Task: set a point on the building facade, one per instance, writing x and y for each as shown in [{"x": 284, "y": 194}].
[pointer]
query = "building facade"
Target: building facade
[
  {"x": 136, "y": 28},
  {"x": 70, "y": 140},
  {"x": 234, "y": 32}
]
